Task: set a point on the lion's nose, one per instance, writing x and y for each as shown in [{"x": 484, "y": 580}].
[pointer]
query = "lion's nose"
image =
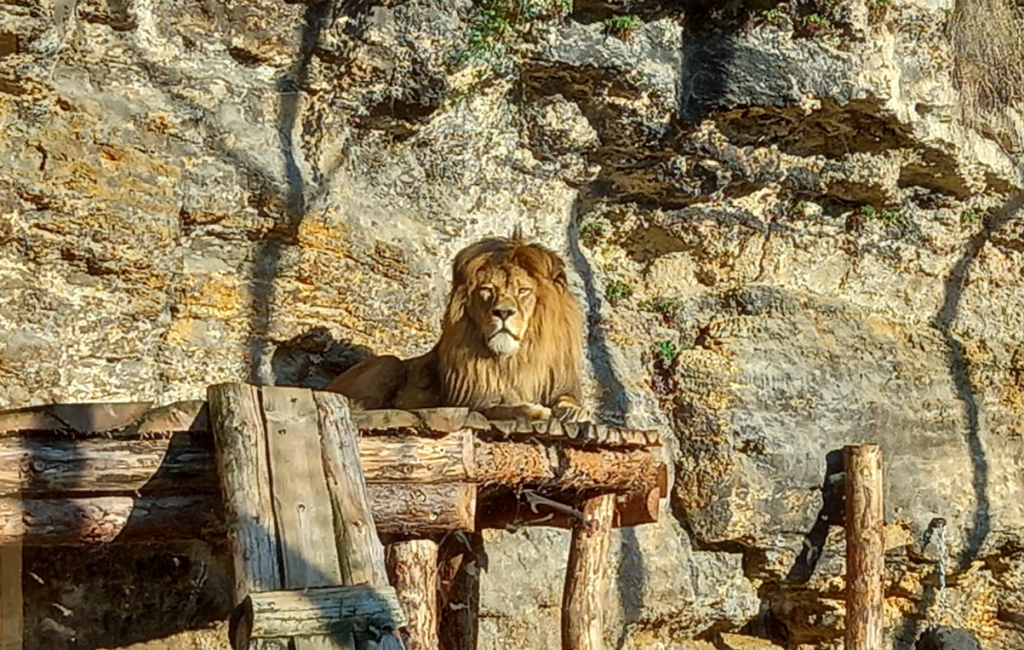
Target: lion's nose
[{"x": 503, "y": 312}]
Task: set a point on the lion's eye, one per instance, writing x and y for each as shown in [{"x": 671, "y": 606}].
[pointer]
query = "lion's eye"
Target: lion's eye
[
  {"x": 486, "y": 292},
  {"x": 525, "y": 291}
]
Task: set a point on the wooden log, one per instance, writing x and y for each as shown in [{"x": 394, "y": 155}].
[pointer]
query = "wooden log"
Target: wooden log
[
  {"x": 865, "y": 547},
  {"x": 104, "y": 520},
  {"x": 183, "y": 463},
  {"x": 461, "y": 559},
  {"x": 244, "y": 472},
  {"x": 319, "y": 611},
  {"x": 400, "y": 511},
  {"x": 412, "y": 567},
  {"x": 302, "y": 510},
  {"x": 37, "y": 466},
  {"x": 517, "y": 464},
  {"x": 586, "y": 576}
]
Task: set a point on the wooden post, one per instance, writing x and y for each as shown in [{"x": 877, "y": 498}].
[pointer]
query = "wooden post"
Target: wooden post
[
  {"x": 245, "y": 483},
  {"x": 586, "y": 576},
  {"x": 412, "y": 566},
  {"x": 865, "y": 547}
]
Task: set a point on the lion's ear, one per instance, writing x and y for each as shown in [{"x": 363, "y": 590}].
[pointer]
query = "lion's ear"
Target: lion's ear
[
  {"x": 456, "y": 304},
  {"x": 556, "y": 271}
]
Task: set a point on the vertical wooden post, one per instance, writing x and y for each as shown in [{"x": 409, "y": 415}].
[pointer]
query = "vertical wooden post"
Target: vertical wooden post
[
  {"x": 412, "y": 566},
  {"x": 586, "y": 576},
  {"x": 865, "y": 547},
  {"x": 244, "y": 471},
  {"x": 12, "y": 625}
]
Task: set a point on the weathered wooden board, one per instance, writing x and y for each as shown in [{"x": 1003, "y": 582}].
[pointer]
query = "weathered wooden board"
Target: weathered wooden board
[{"x": 302, "y": 506}]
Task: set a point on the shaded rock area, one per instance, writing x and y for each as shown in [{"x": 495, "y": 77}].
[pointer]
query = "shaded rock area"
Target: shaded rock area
[{"x": 786, "y": 236}]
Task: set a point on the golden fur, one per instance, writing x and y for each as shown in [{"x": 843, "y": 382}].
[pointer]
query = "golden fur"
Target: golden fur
[{"x": 511, "y": 342}]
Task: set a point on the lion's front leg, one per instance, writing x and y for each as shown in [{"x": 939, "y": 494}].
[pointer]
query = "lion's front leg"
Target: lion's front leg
[
  {"x": 526, "y": 411},
  {"x": 568, "y": 409}
]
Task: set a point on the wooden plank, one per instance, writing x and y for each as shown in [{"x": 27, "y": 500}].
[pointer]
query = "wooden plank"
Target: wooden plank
[
  {"x": 302, "y": 504},
  {"x": 319, "y": 611},
  {"x": 12, "y": 623},
  {"x": 865, "y": 547},
  {"x": 94, "y": 417},
  {"x": 412, "y": 567},
  {"x": 358, "y": 546},
  {"x": 586, "y": 576},
  {"x": 241, "y": 445}
]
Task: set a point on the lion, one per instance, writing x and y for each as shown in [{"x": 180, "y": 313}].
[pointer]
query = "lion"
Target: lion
[{"x": 511, "y": 344}]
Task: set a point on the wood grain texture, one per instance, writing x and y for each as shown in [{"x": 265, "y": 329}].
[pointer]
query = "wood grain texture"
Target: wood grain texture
[
  {"x": 412, "y": 567},
  {"x": 865, "y": 547},
  {"x": 586, "y": 576}
]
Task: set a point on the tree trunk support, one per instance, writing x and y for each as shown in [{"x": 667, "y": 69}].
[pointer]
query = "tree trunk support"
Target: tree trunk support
[
  {"x": 586, "y": 576},
  {"x": 865, "y": 547}
]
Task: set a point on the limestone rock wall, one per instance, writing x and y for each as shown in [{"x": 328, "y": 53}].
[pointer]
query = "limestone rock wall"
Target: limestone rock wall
[{"x": 785, "y": 235}]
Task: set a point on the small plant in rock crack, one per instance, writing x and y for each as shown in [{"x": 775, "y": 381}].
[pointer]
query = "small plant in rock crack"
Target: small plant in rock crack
[
  {"x": 667, "y": 351},
  {"x": 622, "y": 27},
  {"x": 616, "y": 291},
  {"x": 668, "y": 308},
  {"x": 499, "y": 24},
  {"x": 591, "y": 232},
  {"x": 887, "y": 216},
  {"x": 969, "y": 217}
]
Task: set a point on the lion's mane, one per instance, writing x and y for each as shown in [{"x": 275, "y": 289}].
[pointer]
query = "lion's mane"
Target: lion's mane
[{"x": 547, "y": 364}]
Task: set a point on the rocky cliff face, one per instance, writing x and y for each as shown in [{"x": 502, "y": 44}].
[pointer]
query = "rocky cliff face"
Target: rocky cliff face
[{"x": 789, "y": 232}]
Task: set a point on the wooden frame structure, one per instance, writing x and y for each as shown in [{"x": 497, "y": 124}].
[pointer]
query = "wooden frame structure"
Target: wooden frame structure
[{"x": 426, "y": 481}]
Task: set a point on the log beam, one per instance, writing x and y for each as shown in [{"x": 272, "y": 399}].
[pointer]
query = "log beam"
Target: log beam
[{"x": 399, "y": 511}]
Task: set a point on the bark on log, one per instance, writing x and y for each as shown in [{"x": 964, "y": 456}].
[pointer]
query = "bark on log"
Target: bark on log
[
  {"x": 586, "y": 576},
  {"x": 400, "y": 511},
  {"x": 865, "y": 547},
  {"x": 412, "y": 567},
  {"x": 631, "y": 509},
  {"x": 319, "y": 611},
  {"x": 184, "y": 463}
]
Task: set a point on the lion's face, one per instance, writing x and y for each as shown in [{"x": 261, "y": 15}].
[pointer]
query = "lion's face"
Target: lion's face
[{"x": 501, "y": 304}]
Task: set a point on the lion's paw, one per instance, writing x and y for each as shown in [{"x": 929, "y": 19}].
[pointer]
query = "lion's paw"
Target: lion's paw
[{"x": 569, "y": 411}]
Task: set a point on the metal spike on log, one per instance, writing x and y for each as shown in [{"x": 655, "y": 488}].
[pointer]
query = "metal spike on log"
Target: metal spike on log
[
  {"x": 865, "y": 547},
  {"x": 412, "y": 567},
  {"x": 586, "y": 576}
]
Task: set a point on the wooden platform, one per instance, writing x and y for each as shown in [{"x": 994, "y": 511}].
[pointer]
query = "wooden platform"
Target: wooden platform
[{"x": 130, "y": 472}]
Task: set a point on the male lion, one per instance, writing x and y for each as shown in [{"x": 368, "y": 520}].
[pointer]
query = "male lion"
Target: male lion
[{"x": 511, "y": 342}]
